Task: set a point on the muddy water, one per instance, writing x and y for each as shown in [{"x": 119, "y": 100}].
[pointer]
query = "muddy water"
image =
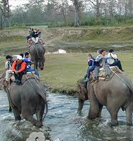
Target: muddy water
[{"x": 63, "y": 123}]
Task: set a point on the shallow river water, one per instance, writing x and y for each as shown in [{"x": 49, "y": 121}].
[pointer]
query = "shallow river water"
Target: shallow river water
[{"x": 62, "y": 123}]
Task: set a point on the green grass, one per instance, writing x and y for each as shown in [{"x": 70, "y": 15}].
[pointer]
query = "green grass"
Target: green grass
[{"x": 101, "y": 34}]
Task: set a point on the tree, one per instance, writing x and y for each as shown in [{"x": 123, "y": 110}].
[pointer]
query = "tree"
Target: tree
[
  {"x": 5, "y": 11},
  {"x": 97, "y": 6},
  {"x": 63, "y": 7},
  {"x": 77, "y": 5}
]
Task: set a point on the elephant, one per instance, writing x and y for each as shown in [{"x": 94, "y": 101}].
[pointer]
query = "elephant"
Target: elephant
[
  {"x": 115, "y": 93},
  {"x": 37, "y": 52},
  {"x": 28, "y": 99}
]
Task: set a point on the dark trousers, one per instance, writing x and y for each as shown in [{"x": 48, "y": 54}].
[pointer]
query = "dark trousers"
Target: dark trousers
[
  {"x": 18, "y": 77},
  {"x": 28, "y": 37},
  {"x": 89, "y": 70},
  {"x": 118, "y": 64}
]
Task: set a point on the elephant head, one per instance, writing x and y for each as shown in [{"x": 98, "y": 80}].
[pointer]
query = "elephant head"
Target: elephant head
[
  {"x": 82, "y": 90},
  {"x": 82, "y": 95}
]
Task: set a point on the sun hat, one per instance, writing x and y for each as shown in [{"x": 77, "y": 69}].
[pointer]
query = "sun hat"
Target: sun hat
[{"x": 19, "y": 57}]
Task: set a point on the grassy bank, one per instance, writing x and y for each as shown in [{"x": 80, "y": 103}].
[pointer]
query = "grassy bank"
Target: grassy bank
[
  {"x": 82, "y": 39},
  {"x": 62, "y": 71},
  {"x": 13, "y": 41}
]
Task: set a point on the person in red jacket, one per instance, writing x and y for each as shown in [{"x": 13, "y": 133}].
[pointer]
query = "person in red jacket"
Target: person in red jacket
[{"x": 18, "y": 67}]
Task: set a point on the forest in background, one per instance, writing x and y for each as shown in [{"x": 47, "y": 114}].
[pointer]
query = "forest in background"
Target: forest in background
[{"x": 60, "y": 13}]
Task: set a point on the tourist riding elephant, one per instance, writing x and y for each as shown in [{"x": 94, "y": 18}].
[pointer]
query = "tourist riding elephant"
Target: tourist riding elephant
[
  {"x": 37, "y": 52},
  {"x": 28, "y": 99},
  {"x": 115, "y": 93}
]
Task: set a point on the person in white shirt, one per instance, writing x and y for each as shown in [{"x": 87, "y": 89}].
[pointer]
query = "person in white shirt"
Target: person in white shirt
[
  {"x": 8, "y": 68},
  {"x": 100, "y": 61},
  {"x": 112, "y": 59}
]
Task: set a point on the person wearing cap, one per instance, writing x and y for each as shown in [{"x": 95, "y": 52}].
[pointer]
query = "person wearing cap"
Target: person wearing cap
[
  {"x": 8, "y": 67},
  {"x": 18, "y": 67},
  {"x": 112, "y": 59}
]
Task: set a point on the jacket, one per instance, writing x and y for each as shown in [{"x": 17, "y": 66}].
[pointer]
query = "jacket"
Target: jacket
[{"x": 18, "y": 67}]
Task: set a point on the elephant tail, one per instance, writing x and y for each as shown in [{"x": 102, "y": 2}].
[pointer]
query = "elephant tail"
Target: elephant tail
[
  {"x": 46, "y": 104},
  {"x": 46, "y": 110}
]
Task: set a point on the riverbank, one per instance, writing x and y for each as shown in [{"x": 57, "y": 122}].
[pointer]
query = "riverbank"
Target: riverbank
[{"x": 82, "y": 39}]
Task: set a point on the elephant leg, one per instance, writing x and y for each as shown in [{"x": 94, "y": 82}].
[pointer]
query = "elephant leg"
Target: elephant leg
[
  {"x": 94, "y": 112},
  {"x": 113, "y": 113},
  {"x": 16, "y": 113},
  {"x": 40, "y": 112},
  {"x": 129, "y": 114},
  {"x": 32, "y": 120},
  {"x": 35, "y": 64},
  {"x": 100, "y": 110},
  {"x": 80, "y": 106},
  {"x": 10, "y": 109},
  {"x": 114, "y": 120},
  {"x": 95, "y": 106}
]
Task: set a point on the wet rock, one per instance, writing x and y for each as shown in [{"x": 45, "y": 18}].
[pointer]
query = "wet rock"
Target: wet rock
[
  {"x": 39, "y": 136},
  {"x": 57, "y": 139}
]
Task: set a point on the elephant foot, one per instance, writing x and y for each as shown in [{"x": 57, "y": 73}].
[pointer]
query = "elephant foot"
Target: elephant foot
[
  {"x": 92, "y": 116},
  {"x": 114, "y": 123},
  {"x": 18, "y": 118},
  {"x": 10, "y": 110},
  {"x": 79, "y": 112},
  {"x": 129, "y": 124},
  {"x": 38, "y": 124}
]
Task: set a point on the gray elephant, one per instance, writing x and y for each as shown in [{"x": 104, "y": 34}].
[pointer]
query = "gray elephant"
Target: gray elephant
[
  {"x": 37, "y": 52},
  {"x": 115, "y": 93},
  {"x": 28, "y": 99}
]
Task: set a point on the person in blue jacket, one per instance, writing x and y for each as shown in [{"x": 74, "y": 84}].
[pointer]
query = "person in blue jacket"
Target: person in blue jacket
[
  {"x": 91, "y": 67},
  {"x": 28, "y": 62}
]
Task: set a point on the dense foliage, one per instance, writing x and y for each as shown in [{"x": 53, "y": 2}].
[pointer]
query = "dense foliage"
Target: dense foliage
[{"x": 68, "y": 13}]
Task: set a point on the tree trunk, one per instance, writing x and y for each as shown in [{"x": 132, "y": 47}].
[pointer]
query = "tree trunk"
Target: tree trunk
[
  {"x": 64, "y": 17},
  {"x": 98, "y": 9},
  {"x": 76, "y": 4},
  {"x": 76, "y": 18},
  {"x": 1, "y": 23}
]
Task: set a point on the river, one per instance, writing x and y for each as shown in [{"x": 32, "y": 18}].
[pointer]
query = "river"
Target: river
[{"x": 62, "y": 123}]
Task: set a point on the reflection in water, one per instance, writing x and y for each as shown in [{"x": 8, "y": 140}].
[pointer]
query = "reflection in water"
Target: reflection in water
[{"x": 62, "y": 122}]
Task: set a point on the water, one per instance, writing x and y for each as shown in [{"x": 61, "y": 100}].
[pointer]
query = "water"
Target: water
[{"x": 63, "y": 123}]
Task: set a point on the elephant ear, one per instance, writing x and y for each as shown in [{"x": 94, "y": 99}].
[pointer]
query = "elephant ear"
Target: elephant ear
[{"x": 81, "y": 90}]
